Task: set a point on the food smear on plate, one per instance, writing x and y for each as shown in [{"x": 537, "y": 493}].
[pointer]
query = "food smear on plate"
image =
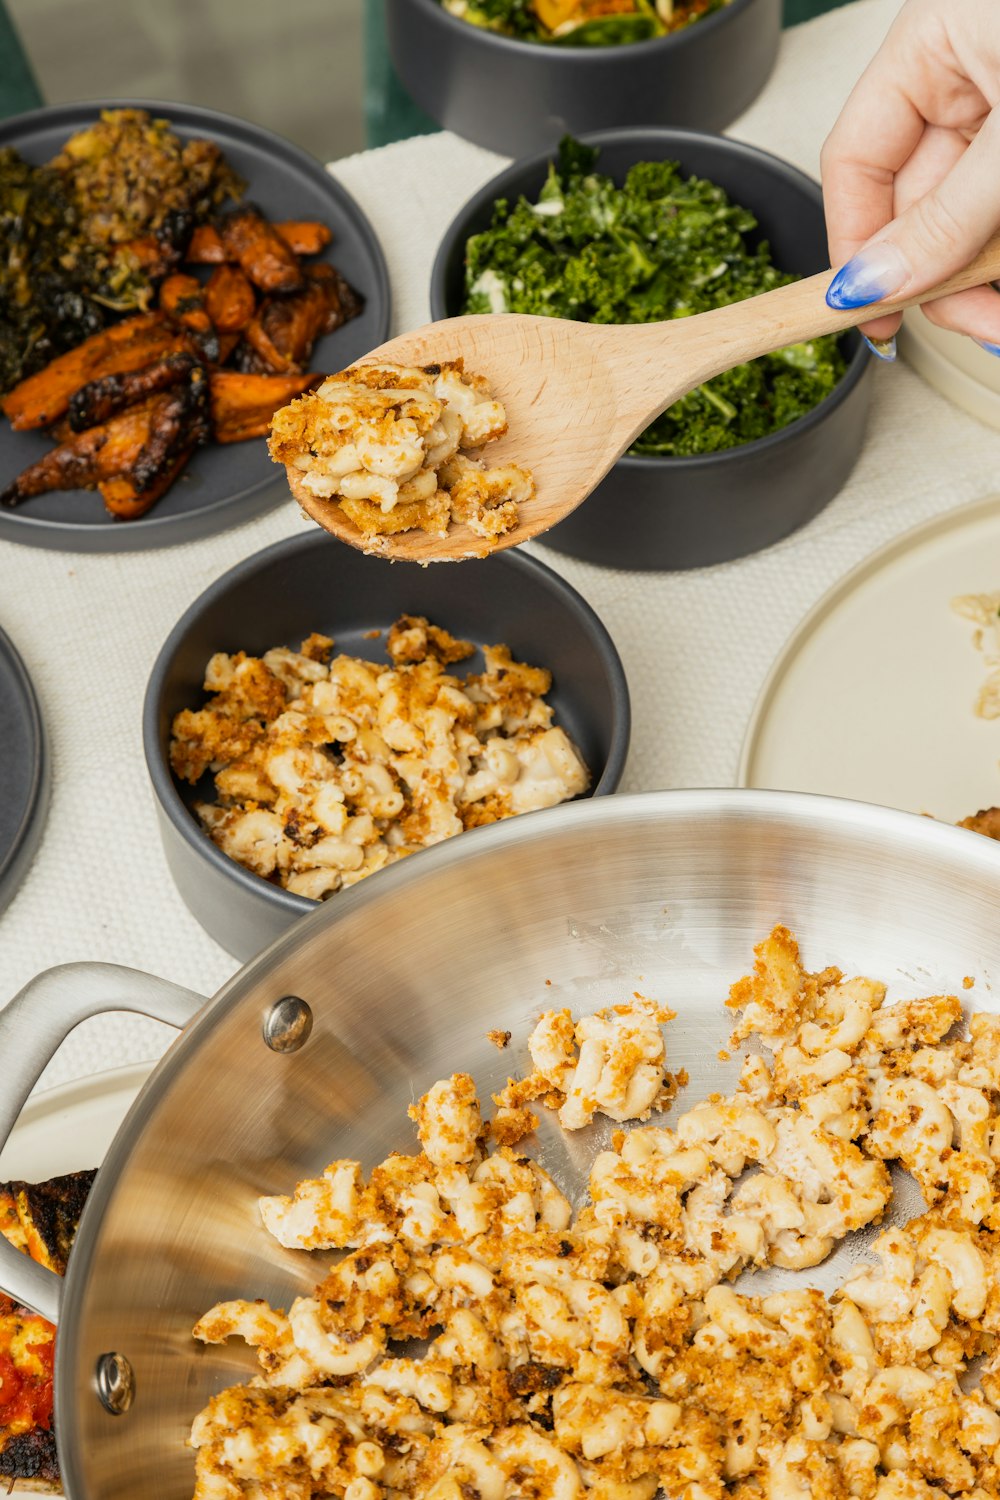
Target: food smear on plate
[
  {"x": 39, "y": 1219},
  {"x": 582, "y": 23},
  {"x": 984, "y": 612},
  {"x": 327, "y": 768},
  {"x": 603, "y": 1350},
  {"x": 661, "y": 245},
  {"x": 393, "y": 446},
  {"x": 140, "y": 320}
]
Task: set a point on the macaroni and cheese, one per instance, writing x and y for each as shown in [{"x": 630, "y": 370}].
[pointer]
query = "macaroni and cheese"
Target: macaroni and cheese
[
  {"x": 604, "y": 1354},
  {"x": 327, "y": 768},
  {"x": 390, "y": 444}
]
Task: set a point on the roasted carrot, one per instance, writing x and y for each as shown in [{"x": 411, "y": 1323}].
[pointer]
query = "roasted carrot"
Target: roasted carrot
[
  {"x": 154, "y": 256},
  {"x": 304, "y": 236},
  {"x": 242, "y": 405},
  {"x": 285, "y": 328},
  {"x": 229, "y": 299},
  {"x": 253, "y": 243},
  {"x": 42, "y": 398},
  {"x": 183, "y": 300},
  {"x": 126, "y": 501},
  {"x": 205, "y": 247},
  {"x": 138, "y": 445},
  {"x": 99, "y": 400},
  {"x": 87, "y": 457}
]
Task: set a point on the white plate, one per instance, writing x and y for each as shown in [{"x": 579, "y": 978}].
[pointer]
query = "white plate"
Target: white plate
[
  {"x": 69, "y": 1129},
  {"x": 872, "y": 696}
]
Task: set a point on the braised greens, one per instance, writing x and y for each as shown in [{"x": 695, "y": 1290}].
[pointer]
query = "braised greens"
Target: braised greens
[{"x": 661, "y": 246}]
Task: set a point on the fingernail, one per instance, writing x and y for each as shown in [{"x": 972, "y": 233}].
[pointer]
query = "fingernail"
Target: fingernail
[
  {"x": 884, "y": 348},
  {"x": 990, "y": 348},
  {"x": 874, "y": 273}
]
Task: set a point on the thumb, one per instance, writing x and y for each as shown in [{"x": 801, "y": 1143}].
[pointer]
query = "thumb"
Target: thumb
[{"x": 935, "y": 237}]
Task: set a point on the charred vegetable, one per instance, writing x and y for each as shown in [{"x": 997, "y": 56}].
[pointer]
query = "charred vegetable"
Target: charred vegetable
[
  {"x": 90, "y": 233},
  {"x": 53, "y": 285},
  {"x": 132, "y": 177}
]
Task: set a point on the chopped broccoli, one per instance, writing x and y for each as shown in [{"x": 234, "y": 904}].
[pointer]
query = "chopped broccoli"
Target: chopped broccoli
[{"x": 660, "y": 246}]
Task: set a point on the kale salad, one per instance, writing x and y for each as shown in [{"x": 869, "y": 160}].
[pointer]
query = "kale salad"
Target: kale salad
[
  {"x": 660, "y": 246},
  {"x": 582, "y": 23}
]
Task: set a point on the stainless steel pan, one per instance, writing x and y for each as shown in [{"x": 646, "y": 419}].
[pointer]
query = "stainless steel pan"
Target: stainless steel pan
[{"x": 402, "y": 977}]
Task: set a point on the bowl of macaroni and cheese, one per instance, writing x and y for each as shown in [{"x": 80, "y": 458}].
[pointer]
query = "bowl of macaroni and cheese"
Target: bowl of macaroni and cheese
[{"x": 317, "y": 716}]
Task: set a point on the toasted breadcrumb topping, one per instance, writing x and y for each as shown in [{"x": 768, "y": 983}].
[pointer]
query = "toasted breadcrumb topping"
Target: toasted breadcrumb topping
[
  {"x": 390, "y": 444},
  {"x": 328, "y": 768},
  {"x": 604, "y": 1354}
]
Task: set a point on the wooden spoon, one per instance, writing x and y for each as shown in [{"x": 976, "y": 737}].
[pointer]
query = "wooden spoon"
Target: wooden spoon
[{"x": 578, "y": 394}]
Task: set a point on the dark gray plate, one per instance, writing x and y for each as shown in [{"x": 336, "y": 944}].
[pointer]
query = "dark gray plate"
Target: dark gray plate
[
  {"x": 223, "y": 484},
  {"x": 24, "y": 771}
]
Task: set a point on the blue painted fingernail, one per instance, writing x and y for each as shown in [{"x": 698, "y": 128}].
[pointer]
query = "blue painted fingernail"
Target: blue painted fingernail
[
  {"x": 990, "y": 348},
  {"x": 884, "y": 348},
  {"x": 869, "y": 276}
]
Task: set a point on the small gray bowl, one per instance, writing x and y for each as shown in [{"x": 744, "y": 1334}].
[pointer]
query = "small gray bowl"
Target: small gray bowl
[
  {"x": 663, "y": 513},
  {"x": 277, "y": 597},
  {"x": 515, "y": 97}
]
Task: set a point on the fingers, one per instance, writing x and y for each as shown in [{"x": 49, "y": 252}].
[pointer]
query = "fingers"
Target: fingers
[
  {"x": 877, "y": 132},
  {"x": 932, "y": 158},
  {"x": 908, "y": 183},
  {"x": 976, "y": 313}
]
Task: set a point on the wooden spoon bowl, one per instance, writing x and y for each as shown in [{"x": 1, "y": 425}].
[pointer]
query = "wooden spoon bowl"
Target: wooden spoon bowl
[{"x": 578, "y": 394}]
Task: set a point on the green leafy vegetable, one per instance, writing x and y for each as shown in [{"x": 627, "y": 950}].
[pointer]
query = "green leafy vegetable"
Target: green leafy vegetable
[
  {"x": 660, "y": 246},
  {"x": 587, "y": 25}
]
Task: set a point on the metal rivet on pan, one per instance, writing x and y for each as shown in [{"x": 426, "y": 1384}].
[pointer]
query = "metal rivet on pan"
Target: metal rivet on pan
[
  {"x": 115, "y": 1383},
  {"x": 287, "y": 1024}
]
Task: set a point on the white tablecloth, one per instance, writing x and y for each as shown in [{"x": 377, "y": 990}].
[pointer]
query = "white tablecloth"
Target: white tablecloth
[{"x": 696, "y": 646}]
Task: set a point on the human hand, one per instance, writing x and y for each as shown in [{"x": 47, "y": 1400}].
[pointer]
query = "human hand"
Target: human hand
[{"x": 911, "y": 170}]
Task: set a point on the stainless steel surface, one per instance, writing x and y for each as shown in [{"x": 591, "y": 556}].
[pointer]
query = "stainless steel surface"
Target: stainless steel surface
[
  {"x": 664, "y": 893},
  {"x": 287, "y": 1024},
  {"x": 115, "y": 1383},
  {"x": 31, "y": 1027}
]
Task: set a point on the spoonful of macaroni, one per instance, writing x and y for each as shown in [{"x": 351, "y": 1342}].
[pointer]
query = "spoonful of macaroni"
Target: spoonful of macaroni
[{"x": 479, "y": 432}]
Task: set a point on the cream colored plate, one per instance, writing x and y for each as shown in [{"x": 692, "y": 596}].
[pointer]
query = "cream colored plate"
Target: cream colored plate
[
  {"x": 953, "y": 365},
  {"x": 69, "y": 1128},
  {"x": 872, "y": 696}
]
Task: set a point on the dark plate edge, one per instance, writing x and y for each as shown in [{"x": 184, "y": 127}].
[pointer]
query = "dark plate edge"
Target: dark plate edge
[{"x": 15, "y": 863}]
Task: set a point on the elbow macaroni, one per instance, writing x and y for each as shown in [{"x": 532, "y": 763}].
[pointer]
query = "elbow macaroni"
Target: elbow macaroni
[
  {"x": 604, "y": 1354},
  {"x": 327, "y": 772},
  {"x": 388, "y": 444}
]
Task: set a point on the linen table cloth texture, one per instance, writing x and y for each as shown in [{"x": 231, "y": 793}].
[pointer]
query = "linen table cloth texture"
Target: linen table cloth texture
[{"x": 696, "y": 646}]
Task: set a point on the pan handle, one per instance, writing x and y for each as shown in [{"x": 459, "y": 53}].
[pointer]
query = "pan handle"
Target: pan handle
[{"x": 31, "y": 1028}]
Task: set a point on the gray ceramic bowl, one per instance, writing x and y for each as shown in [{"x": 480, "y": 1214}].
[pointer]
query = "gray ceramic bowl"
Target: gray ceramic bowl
[
  {"x": 658, "y": 513},
  {"x": 516, "y": 97},
  {"x": 280, "y": 595}
]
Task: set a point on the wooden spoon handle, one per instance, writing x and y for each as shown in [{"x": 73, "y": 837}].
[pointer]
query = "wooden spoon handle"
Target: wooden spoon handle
[{"x": 704, "y": 346}]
